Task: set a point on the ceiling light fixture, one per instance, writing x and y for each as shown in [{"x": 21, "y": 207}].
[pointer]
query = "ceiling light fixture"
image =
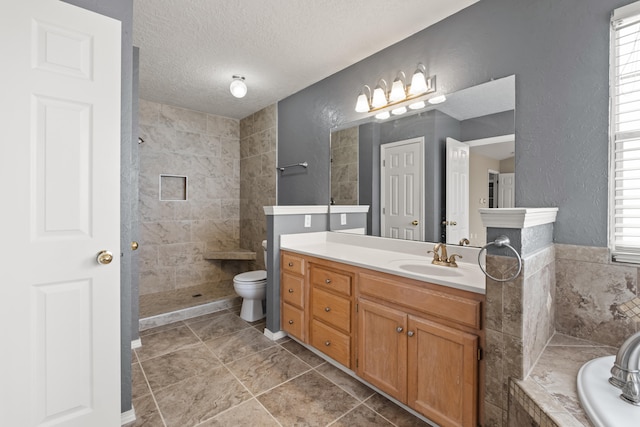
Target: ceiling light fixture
[
  {"x": 238, "y": 87},
  {"x": 396, "y": 100}
]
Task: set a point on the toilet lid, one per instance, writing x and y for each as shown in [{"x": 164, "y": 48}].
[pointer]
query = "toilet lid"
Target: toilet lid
[{"x": 251, "y": 276}]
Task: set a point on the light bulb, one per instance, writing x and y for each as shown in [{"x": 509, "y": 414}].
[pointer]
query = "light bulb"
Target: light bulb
[
  {"x": 379, "y": 98},
  {"x": 362, "y": 104},
  {"x": 383, "y": 116},
  {"x": 398, "y": 92},
  {"x": 238, "y": 87},
  {"x": 418, "y": 81}
]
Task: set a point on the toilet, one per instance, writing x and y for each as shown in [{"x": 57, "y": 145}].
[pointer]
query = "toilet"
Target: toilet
[{"x": 252, "y": 287}]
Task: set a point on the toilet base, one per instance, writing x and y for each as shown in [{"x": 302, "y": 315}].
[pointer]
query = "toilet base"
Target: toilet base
[{"x": 251, "y": 310}]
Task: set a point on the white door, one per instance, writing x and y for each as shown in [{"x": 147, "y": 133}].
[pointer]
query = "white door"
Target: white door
[
  {"x": 457, "y": 216},
  {"x": 60, "y": 165},
  {"x": 402, "y": 189},
  {"x": 506, "y": 190}
]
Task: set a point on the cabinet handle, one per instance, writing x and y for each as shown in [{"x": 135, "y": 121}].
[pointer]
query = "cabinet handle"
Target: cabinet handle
[
  {"x": 291, "y": 322},
  {"x": 327, "y": 281},
  {"x": 399, "y": 329},
  {"x": 327, "y": 309},
  {"x": 290, "y": 264},
  {"x": 410, "y": 333},
  {"x": 290, "y": 291},
  {"x": 327, "y": 343}
]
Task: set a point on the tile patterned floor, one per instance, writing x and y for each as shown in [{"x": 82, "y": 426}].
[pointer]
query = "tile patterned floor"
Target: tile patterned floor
[{"x": 218, "y": 370}]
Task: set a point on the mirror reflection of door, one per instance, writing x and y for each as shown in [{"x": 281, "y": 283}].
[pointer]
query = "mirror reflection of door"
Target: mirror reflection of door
[
  {"x": 401, "y": 189},
  {"x": 457, "y": 207}
]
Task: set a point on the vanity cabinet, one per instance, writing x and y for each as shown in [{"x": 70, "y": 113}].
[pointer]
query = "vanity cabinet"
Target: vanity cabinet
[
  {"x": 292, "y": 295},
  {"x": 417, "y": 342}
]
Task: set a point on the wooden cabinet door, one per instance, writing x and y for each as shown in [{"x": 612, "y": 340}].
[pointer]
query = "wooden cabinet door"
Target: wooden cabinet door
[
  {"x": 443, "y": 373},
  {"x": 382, "y": 348}
]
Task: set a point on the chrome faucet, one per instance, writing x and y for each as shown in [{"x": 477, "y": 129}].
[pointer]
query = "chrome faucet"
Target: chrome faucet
[
  {"x": 625, "y": 373},
  {"x": 440, "y": 256}
]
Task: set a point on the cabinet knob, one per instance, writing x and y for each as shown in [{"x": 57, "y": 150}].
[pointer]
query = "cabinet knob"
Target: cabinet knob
[
  {"x": 399, "y": 329},
  {"x": 290, "y": 264},
  {"x": 291, "y": 322},
  {"x": 290, "y": 291},
  {"x": 327, "y": 281},
  {"x": 410, "y": 333},
  {"x": 327, "y": 343},
  {"x": 327, "y": 309}
]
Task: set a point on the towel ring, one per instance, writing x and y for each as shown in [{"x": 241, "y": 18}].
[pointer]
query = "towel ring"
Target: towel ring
[{"x": 500, "y": 242}]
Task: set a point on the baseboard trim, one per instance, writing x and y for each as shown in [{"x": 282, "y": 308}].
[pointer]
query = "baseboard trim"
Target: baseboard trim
[
  {"x": 136, "y": 344},
  {"x": 274, "y": 336},
  {"x": 128, "y": 417}
]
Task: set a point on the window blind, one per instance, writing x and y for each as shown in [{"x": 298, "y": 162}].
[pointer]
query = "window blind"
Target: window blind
[{"x": 625, "y": 135}]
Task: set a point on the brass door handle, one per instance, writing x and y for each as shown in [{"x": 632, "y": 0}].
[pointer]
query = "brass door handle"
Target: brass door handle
[
  {"x": 104, "y": 257},
  {"x": 134, "y": 245},
  {"x": 414, "y": 222},
  {"x": 453, "y": 223}
]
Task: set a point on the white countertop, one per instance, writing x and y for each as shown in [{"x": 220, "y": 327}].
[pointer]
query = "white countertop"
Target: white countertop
[{"x": 399, "y": 257}]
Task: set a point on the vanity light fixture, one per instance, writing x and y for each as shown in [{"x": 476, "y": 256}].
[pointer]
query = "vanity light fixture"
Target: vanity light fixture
[
  {"x": 238, "y": 87},
  {"x": 437, "y": 99},
  {"x": 398, "y": 98},
  {"x": 363, "y": 105},
  {"x": 398, "y": 88},
  {"x": 379, "y": 98}
]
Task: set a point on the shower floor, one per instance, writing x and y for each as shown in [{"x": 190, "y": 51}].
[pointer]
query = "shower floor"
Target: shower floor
[{"x": 178, "y": 299}]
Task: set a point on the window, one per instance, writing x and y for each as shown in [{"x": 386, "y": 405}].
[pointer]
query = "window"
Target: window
[{"x": 624, "y": 194}]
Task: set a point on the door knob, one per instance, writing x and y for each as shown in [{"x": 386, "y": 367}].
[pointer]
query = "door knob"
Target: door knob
[
  {"x": 399, "y": 329},
  {"x": 414, "y": 222},
  {"x": 453, "y": 223},
  {"x": 134, "y": 245},
  {"x": 104, "y": 257},
  {"x": 410, "y": 333}
]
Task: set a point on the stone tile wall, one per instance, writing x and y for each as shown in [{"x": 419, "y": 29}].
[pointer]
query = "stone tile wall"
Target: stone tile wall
[
  {"x": 344, "y": 166},
  {"x": 589, "y": 290},
  {"x": 519, "y": 323},
  {"x": 174, "y": 235},
  {"x": 258, "y": 133}
]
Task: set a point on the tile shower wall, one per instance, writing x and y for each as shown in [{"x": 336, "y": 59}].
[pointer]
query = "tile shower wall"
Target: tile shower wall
[
  {"x": 344, "y": 166},
  {"x": 590, "y": 292},
  {"x": 257, "y": 177},
  {"x": 174, "y": 235}
]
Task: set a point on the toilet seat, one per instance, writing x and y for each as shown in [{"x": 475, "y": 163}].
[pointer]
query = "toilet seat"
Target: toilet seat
[{"x": 251, "y": 276}]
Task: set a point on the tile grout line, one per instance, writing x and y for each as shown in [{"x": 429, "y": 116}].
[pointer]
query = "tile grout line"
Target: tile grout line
[{"x": 153, "y": 396}]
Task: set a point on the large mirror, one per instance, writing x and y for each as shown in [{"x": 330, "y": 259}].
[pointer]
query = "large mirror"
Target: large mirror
[{"x": 426, "y": 173}]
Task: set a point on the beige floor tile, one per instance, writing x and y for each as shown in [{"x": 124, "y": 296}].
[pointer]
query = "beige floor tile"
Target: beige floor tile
[
  {"x": 261, "y": 371},
  {"x": 200, "y": 398},
  {"x": 218, "y": 326},
  {"x": 345, "y": 382},
  {"x": 157, "y": 329},
  {"x": 308, "y": 400},
  {"x": 168, "y": 369},
  {"x": 361, "y": 416},
  {"x": 307, "y": 356},
  {"x": 147, "y": 414},
  {"x": 167, "y": 341},
  {"x": 238, "y": 345},
  {"x": 393, "y": 412},
  {"x": 139, "y": 386},
  {"x": 249, "y": 413}
]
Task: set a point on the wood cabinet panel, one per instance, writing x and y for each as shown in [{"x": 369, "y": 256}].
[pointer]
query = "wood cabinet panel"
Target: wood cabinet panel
[
  {"x": 293, "y": 321},
  {"x": 382, "y": 348},
  {"x": 329, "y": 279},
  {"x": 457, "y": 309},
  {"x": 443, "y": 376},
  {"x": 292, "y": 289},
  {"x": 332, "y": 309},
  {"x": 331, "y": 342},
  {"x": 292, "y": 263}
]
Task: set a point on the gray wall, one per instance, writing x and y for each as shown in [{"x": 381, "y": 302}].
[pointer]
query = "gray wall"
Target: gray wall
[
  {"x": 487, "y": 126},
  {"x": 122, "y": 10},
  {"x": 559, "y": 52}
]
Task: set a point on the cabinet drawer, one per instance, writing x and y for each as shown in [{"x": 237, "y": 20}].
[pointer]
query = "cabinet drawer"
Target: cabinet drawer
[
  {"x": 451, "y": 307},
  {"x": 293, "y": 264},
  {"x": 339, "y": 282},
  {"x": 292, "y": 290},
  {"x": 331, "y": 342},
  {"x": 293, "y": 321},
  {"x": 333, "y": 309}
]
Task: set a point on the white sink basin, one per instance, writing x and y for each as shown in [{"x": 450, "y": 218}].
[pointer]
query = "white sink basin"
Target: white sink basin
[
  {"x": 600, "y": 400},
  {"x": 425, "y": 267}
]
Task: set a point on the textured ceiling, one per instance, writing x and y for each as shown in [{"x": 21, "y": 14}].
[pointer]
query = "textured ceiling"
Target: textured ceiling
[{"x": 189, "y": 49}]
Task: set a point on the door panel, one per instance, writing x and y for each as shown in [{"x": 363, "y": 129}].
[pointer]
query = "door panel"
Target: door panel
[
  {"x": 377, "y": 333},
  {"x": 61, "y": 156},
  {"x": 457, "y": 217},
  {"x": 443, "y": 373}
]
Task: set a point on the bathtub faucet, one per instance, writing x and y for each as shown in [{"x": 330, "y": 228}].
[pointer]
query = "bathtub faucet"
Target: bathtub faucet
[{"x": 625, "y": 373}]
